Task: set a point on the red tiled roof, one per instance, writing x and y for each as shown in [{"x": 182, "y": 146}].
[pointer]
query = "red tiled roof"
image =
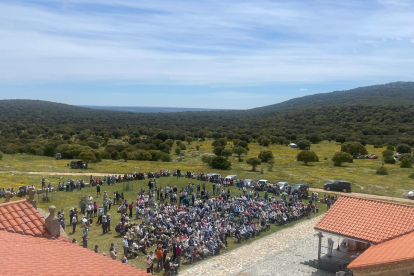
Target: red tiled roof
[
  {"x": 367, "y": 219},
  {"x": 25, "y": 254},
  {"x": 22, "y": 217},
  {"x": 393, "y": 251}
]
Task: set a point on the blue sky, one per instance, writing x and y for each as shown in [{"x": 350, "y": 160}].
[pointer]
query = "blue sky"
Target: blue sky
[{"x": 211, "y": 54}]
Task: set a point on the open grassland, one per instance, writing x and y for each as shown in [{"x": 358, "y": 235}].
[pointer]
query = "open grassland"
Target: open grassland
[{"x": 361, "y": 173}]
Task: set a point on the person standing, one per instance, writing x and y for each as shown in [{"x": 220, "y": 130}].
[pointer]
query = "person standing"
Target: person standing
[
  {"x": 159, "y": 257},
  {"x": 43, "y": 183},
  {"x": 105, "y": 206},
  {"x": 109, "y": 203},
  {"x": 178, "y": 252},
  {"x": 98, "y": 190},
  {"x": 150, "y": 262},
  {"x": 85, "y": 240},
  {"x": 74, "y": 221},
  {"x": 108, "y": 222}
]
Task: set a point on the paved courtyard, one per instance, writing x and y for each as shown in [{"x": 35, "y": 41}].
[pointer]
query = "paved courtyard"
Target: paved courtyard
[{"x": 280, "y": 253}]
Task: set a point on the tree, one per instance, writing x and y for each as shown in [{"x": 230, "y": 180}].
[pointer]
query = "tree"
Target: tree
[
  {"x": 87, "y": 156},
  {"x": 387, "y": 154},
  {"x": 403, "y": 148},
  {"x": 206, "y": 159},
  {"x": 189, "y": 139},
  {"x": 177, "y": 150},
  {"x": 304, "y": 144},
  {"x": 115, "y": 155},
  {"x": 124, "y": 155},
  {"x": 266, "y": 142},
  {"x": 1, "y": 155},
  {"x": 254, "y": 162},
  {"x": 239, "y": 151},
  {"x": 217, "y": 150},
  {"x": 271, "y": 163},
  {"x": 307, "y": 156},
  {"x": 169, "y": 142},
  {"x": 341, "y": 157},
  {"x": 354, "y": 148},
  {"x": 220, "y": 162},
  {"x": 227, "y": 153},
  {"x": 265, "y": 155},
  {"x": 315, "y": 138}
]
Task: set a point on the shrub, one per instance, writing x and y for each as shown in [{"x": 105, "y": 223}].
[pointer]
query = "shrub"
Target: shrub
[
  {"x": 1, "y": 155},
  {"x": 411, "y": 176},
  {"x": 177, "y": 150},
  {"x": 220, "y": 162},
  {"x": 403, "y": 148},
  {"x": 206, "y": 159},
  {"x": 389, "y": 160},
  {"x": 390, "y": 147},
  {"x": 165, "y": 157},
  {"x": 387, "y": 154},
  {"x": 406, "y": 163},
  {"x": 382, "y": 171}
]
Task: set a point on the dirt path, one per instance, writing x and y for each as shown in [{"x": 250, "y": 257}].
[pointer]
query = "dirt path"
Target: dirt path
[
  {"x": 62, "y": 173},
  {"x": 397, "y": 199}
]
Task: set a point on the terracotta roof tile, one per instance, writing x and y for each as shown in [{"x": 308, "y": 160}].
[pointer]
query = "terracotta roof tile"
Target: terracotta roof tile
[
  {"x": 370, "y": 220},
  {"x": 44, "y": 257},
  {"x": 21, "y": 217},
  {"x": 393, "y": 251}
]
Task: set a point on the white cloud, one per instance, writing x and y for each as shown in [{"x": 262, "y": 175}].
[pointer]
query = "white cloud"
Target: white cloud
[
  {"x": 201, "y": 43},
  {"x": 303, "y": 89}
]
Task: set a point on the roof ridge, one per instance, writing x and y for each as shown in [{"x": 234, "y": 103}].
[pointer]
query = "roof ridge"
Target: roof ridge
[
  {"x": 374, "y": 200},
  {"x": 13, "y": 202}
]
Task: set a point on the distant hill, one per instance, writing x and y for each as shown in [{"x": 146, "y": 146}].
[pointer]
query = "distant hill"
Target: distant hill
[
  {"x": 395, "y": 93},
  {"x": 148, "y": 109}
]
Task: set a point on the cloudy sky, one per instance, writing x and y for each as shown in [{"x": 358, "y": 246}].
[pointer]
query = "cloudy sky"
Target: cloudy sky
[{"x": 200, "y": 53}]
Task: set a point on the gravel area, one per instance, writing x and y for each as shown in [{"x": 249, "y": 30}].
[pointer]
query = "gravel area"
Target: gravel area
[{"x": 281, "y": 253}]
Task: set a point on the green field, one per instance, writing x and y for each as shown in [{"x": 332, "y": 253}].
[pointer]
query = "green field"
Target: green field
[{"x": 361, "y": 173}]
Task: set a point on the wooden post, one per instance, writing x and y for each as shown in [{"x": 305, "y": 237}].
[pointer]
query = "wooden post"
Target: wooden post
[{"x": 319, "y": 248}]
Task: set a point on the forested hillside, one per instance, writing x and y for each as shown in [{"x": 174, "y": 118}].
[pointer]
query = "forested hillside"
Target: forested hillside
[
  {"x": 44, "y": 128},
  {"x": 395, "y": 93}
]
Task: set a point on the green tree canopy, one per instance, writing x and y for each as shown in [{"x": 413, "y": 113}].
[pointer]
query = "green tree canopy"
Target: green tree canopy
[
  {"x": 254, "y": 162},
  {"x": 239, "y": 151},
  {"x": 87, "y": 156},
  {"x": 354, "y": 148},
  {"x": 220, "y": 162},
  {"x": 307, "y": 156},
  {"x": 403, "y": 148},
  {"x": 227, "y": 153},
  {"x": 303, "y": 144},
  {"x": 341, "y": 157},
  {"x": 265, "y": 155}
]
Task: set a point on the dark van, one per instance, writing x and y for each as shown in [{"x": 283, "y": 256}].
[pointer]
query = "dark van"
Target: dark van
[{"x": 338, "y": 185}]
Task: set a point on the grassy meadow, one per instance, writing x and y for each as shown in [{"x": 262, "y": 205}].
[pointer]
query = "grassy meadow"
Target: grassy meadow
[{"x": 361, "y": 173}]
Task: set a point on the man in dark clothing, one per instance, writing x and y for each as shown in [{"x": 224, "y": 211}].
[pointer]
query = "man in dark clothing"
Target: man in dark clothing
[{"x": 85, "y": 241}]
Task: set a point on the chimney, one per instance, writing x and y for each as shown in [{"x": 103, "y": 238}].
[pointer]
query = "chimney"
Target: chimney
[{"x": 52, "y": 224}]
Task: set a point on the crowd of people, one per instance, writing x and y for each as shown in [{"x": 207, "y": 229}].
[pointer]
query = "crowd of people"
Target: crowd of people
[{"x": 169, "y": 225}]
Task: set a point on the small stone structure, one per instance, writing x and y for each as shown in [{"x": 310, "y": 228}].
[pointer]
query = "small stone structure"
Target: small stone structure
[
  {"x": 52, "y": 223},
  {"x": 7, "y": 195},
  {"x": 31, "y": 199}
]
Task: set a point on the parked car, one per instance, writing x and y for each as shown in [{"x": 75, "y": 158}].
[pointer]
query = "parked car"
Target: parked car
[
  {"x": 299, "y": 187},
  {"x": 78, "y": 165},
  {"x": 358, "y": 156},
  {"x": 293, "y": 145},
  {"x": 58, "y": 156},
  {"x": 231, "y": 176},
  {"x": 410, "y": 194},
  {"x": 283, "y": 186},
  {"x": 262, "y": 182},
  {"x": 215, "y": 176},
  {"x": 372, "y": 156},
  {"x": 338, "y": 185},
  {"x": 249, "y": 183}
]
